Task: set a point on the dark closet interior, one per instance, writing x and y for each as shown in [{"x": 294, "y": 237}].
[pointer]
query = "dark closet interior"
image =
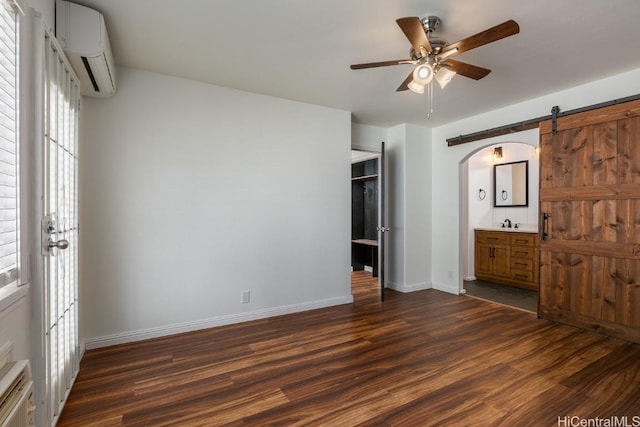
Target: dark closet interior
[{"x": 364, "y": 215}]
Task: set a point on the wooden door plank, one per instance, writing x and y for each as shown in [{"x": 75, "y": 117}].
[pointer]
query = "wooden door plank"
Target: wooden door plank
[
  {"x": 559, "y": 220},
  {"x": 561, "y": 168},
  {"x": 627, "y": 292},
  {"x": 599, "y": 278},
  {"x": 544, "y": 293},
  {"x": 594, "y": 192},
  {"x": 584, "y": 247},
  {"x": 628, "y": 221},
  {"x": 605, "y": 153},
  {"x": 580, "y": 283},
  {"x": 546, "y": 161},
  {"x": 559, "y": 297},
  {"x": 629, "y": 154},
  {"x": 580, "y": 145},
  {"x": 604, "y": 221},
  {"x": 615, "y": 112},
  {"x": 580, "y": 220},
  {"x": 633, "y": 300}
]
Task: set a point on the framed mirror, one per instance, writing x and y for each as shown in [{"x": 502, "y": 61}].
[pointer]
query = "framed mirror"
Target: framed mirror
[{"x": 511, "y": 184}]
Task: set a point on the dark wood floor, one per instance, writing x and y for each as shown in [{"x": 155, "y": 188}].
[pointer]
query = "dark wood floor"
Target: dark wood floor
[{"x": 418, "y": 359}]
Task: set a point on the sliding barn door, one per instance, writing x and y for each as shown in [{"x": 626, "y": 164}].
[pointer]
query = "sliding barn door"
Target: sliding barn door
[{"x": 590, "y": 196}]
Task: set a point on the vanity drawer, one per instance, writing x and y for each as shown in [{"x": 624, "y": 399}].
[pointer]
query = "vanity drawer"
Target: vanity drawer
[
  {"x": 490, "y": 237},
  {"x": 521, "y": 264},
  {"x": 523, "y": 239},
  {"x": 522, "y": 275},
  {"x": 522, "y": 252}
]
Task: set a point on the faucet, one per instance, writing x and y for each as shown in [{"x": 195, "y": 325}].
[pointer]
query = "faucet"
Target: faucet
[{"x": 508, "y": 221}]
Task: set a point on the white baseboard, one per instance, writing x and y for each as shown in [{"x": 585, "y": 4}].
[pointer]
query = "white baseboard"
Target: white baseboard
[
  {"x": 368, "y": 268},
  {"x": 470, "y": 278},
  {"x": 143, "y": 334},
  {"x": 408, "y": 288},
  {"x": 82, "y": 346},
  {"x": 452, "y": 289}
]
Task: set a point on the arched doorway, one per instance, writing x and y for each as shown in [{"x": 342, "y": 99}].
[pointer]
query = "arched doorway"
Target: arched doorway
[{"x": 479, "y": 208}]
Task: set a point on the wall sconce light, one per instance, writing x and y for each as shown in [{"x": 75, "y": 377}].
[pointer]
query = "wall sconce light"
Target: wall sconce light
[{"x": 497, "y": 153}]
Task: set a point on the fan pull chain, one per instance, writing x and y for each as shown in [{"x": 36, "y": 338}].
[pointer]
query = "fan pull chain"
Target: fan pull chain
[{"x": 429, "y": 88}]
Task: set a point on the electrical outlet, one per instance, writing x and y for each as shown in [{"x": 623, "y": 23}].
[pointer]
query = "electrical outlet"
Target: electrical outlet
[{"x": 245, "y": 297}]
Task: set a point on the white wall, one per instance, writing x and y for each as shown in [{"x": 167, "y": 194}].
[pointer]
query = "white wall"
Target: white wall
[
  {"x": 191, "y": 193},
  {"x": 15, "y": 327},
  {"x": 482, "y": 212},
  {"x": 417, "y": 209},
  {"x": 395, "y": 239},
  {"x": 446, "y": 224},
  {"x": 408, "y": 149},
  {"x": 367, "y": 138},
  {"x": 513, "y": 152}
]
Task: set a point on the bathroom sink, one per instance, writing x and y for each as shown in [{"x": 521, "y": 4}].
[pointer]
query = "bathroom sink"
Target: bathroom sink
[{"x": 526, "y": 228}]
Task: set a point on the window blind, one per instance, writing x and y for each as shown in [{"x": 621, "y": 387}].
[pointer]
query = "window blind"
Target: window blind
[{"x": 8, "y": 142}]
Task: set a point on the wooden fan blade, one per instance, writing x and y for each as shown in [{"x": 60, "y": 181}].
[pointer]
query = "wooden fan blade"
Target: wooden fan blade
[
  {"x": 414, "y": 31},
  {"x": 404, "y": 85},
  {"x": 467, "y": 70},
  {"x": 500, "y": 31},
  {"x": 379, "y": 64}
]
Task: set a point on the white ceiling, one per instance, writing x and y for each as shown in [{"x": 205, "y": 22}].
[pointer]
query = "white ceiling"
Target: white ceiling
[{"x": 301, "y": 50}]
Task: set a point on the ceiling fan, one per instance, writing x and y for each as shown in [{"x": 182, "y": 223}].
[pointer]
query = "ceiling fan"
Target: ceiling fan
[{"x": 432, "y": 56}]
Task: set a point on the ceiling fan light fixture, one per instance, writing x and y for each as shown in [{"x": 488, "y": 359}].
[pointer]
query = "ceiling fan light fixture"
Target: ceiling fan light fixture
[
  {"x": 423, "y": 74},
  {"x": 415, "y": 87},
  {"x": 444, "y": 76}
]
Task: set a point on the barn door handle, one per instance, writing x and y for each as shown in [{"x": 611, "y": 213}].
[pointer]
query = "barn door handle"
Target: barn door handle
[{"x": 543, "y": 226}]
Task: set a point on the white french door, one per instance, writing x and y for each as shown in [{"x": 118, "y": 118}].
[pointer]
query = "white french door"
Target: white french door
[{"x": 58, "y": 158}]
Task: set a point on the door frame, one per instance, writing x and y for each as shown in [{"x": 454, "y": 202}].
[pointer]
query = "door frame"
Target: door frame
[
  {"x": 44, "y": 414},
  {"x": 382, "y": 259},
  {"x": 529, "y": 137}
]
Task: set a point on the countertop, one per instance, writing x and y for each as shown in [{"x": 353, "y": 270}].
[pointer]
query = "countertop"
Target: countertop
[{"x": 521, "y": 229}]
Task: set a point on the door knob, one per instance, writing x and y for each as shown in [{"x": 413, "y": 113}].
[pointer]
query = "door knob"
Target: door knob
[{"x": 60, "y": 244}]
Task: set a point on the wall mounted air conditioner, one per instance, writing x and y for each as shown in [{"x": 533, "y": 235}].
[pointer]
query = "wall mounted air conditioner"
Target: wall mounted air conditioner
[
  {"x": 83, "y": 36},
  {"x": 16, "y": 399}
]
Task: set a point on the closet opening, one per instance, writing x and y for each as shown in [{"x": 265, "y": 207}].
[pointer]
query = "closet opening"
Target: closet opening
[{"x": 365, "y": 215}]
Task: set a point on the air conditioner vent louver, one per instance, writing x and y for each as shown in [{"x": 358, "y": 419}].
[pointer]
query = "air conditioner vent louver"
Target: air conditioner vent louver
[{"x": 16, "y": 395}]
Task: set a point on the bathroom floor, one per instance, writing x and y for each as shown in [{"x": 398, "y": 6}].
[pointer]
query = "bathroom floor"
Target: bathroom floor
[{"x": 502, "y": 294}]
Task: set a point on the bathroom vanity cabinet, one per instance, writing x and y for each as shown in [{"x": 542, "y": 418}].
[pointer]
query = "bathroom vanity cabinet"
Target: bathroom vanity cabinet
[{"x": 507, "y": 257}]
